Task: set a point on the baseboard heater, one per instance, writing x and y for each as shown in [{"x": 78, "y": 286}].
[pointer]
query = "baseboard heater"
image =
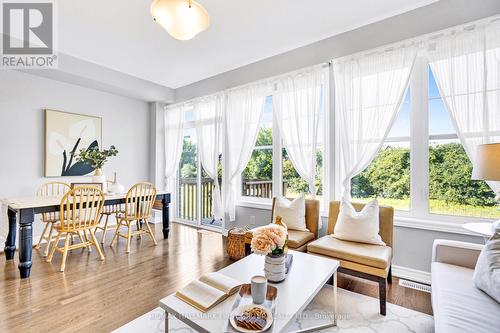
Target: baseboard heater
[{"x": 415, "y": 285}]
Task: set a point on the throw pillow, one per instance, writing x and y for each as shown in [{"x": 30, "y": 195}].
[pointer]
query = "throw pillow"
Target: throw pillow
[
  {"x": 362, "y": 227},
  {"x": 293, "y": 213},
  {"x": 487, "y": 272}
]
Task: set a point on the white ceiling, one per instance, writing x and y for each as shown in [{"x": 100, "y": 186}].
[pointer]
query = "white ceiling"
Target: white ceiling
[{"x": 120, "y": 34}]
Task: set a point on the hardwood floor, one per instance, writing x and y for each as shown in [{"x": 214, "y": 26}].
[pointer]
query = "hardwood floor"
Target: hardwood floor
[{"x": 95, "y": 296}]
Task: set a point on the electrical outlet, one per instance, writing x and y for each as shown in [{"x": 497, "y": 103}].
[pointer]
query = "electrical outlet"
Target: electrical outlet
[{"x": 252, "y": 220}]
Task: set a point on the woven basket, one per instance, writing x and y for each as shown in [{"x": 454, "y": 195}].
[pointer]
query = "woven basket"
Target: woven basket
[{"x": 235, "y": 245}]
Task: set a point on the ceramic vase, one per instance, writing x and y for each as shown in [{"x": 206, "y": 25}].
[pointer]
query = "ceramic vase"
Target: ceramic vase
[
  {"x": 98, "y": 177},
  {"x": 274, "y": 267}
]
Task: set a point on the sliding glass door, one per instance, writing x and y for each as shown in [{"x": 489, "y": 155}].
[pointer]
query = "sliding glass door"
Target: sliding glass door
[{"x": 195, "y": 189}]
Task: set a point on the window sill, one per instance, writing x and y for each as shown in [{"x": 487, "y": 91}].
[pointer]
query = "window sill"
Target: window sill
[
  {"x": 437, "y": 224},
  {"x": 265, "y": 204}
]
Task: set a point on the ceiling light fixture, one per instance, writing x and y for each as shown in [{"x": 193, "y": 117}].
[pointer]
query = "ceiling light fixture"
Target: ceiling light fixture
[{"x": 183, "y": 19}]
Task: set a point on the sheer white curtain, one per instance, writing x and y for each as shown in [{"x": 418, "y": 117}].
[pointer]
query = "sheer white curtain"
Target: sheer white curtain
[
  {"x": 243, "y": 111},
  {"x": 466, "y": 66},
  {"x": 174, "y": 119},
  {"x": 369, "y": 91},
  {"x": 208, "y": 121},
  {"x": 297, "y": 103}
]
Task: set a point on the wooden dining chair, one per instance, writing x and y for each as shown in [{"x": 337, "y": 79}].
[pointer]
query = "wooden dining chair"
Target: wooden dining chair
[
  {"x": 80, "y": 211},
  {"x": 50, "y": 189},
  {"x": 106, "y": 213},
  {"x": 138, "y": 208}
]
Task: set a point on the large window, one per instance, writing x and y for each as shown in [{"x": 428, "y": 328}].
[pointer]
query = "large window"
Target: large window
[
  {"x": 387, "y": 178},
  {"x": 257, "y": 178},
  {"x": 442, "y": 169},
  {"x": 451, "y": 189}
]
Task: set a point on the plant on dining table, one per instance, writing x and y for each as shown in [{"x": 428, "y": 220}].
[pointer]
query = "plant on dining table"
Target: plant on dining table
[
  {"x": 269, "y": 240},
  {"x": 96, "y": 157}
]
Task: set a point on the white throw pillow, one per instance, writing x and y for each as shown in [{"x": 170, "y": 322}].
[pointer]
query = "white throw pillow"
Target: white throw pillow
[
  {"x": 362, "y": 227},
  {"x": 487, "y": 272},
  {"x": 293, "y": 213}
]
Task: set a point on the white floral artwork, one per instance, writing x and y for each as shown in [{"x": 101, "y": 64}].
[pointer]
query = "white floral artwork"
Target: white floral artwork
[{"x": 65, "y": 135}]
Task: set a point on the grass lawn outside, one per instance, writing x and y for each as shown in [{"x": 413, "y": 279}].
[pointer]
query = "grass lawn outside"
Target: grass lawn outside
[{"x": 442, "y": 207}]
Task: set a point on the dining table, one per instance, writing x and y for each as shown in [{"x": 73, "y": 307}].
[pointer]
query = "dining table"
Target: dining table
[{"x": 21, "y": 215}]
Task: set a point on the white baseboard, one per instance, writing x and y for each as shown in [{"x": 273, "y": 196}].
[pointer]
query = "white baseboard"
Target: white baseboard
[{"x": 411, "y": 274}]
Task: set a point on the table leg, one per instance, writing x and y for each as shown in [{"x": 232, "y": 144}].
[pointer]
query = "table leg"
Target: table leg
[
  {"x": 166, "y": 322},
  {"x": 26, "y": 218},
  {"x": 165, "y": 200},
  {"x": 10, "y": 242},
  {"x": 335, "y": 298}
]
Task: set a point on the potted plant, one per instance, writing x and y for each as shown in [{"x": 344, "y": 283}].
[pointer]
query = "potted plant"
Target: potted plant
[
  {"x": 96, "y": 158},
  {"x": 270, "y": 241}
]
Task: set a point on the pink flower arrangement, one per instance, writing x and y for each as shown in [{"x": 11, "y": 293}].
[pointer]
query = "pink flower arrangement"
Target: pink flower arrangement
[{"x": 269, "y": 239}]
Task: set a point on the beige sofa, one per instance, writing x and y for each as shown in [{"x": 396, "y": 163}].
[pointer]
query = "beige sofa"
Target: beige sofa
[{"x": 457, "y": 304}]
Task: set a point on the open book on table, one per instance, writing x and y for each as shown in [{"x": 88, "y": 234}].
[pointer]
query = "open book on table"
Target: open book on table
[{"x": 208, "y": 291}]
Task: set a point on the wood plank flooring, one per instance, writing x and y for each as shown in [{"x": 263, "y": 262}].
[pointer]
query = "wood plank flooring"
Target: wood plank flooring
[{"x": 95, "y": 296}]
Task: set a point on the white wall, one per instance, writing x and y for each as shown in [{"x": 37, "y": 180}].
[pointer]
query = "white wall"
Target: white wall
[{"x": 23, "y": 97}]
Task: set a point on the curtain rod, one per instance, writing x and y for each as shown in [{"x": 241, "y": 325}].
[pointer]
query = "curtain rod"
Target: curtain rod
[{"x": 421, "y": 40}]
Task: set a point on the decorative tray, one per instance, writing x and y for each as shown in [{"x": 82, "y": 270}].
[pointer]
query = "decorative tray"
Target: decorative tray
[{"x": 244, "y": 297}]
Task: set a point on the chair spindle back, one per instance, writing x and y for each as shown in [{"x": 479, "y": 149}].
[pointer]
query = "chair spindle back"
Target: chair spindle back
[
  {"x": 139, "y": 201},
  {"x": 52, "y": 189},
  {"x": 81, "y": 208}
]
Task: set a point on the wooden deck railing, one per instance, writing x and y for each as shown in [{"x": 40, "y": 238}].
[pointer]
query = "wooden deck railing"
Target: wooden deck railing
[
  {"x": 188, "y": 195},
  {"x": 257, "y": 188}
]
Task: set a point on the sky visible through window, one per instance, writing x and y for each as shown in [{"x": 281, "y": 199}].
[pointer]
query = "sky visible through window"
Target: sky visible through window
[{"x": 439, "y": 119}]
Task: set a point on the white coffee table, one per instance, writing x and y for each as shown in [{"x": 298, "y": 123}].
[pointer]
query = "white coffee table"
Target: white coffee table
[{"x": 305, "y": 279}]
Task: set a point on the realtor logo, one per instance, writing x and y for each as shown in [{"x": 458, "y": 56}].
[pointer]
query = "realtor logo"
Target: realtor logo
[{"x": 28, "y": 34}]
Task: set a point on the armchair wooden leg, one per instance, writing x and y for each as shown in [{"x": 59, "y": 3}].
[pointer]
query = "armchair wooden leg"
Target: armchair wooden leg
[
  {"x": 65, "y": 252},
  {"x": 117, "y": 231},
  {"x": 89, "y": 247},
  {"x": 96, "y": 244},
  {"x": 382, "y": 284},
  {"x": 104, "y": 229},
  {"x": 129, "y": 236},
  {"x": 43, "y": 235},
  {"x": 56, "y": 241},
  {"x": 49, "y": 239},
  {"x": 150, "y": 232},
  {"x": 389, "y": 276}
]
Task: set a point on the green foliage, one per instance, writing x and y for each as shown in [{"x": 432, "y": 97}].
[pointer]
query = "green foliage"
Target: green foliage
[
  {"x": 188, "y": 171},
  {"x": 260, "y": 166},
  {"x": 388, "y": 176},
  {"x": 450, "y": 177},
  {"x": 95, "y": 157},
  {"x": 188, "y": 152}
]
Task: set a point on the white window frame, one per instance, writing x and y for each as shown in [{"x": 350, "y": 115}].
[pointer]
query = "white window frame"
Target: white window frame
[
  {"x": 419, "y": 215},
  {"x": 277, "y": 174}
]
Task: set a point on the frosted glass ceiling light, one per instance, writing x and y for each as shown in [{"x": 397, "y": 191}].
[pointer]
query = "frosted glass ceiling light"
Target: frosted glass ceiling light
[{"x": 183, "y": 19}]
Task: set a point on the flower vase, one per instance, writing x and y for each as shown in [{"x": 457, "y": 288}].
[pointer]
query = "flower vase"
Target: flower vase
[
  {"x": 274, "y": 267},
  {"x": 98, "y": 177}
]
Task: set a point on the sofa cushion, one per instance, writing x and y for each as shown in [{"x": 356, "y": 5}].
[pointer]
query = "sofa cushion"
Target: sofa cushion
[
  {"x": 378, "y": 256},
  {"x": 298, "y": 238},
  {"x": 458, "y": 305}
]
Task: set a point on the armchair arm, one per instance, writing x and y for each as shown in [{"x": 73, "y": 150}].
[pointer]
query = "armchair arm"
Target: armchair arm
[{"x": 455, "y": 252}]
